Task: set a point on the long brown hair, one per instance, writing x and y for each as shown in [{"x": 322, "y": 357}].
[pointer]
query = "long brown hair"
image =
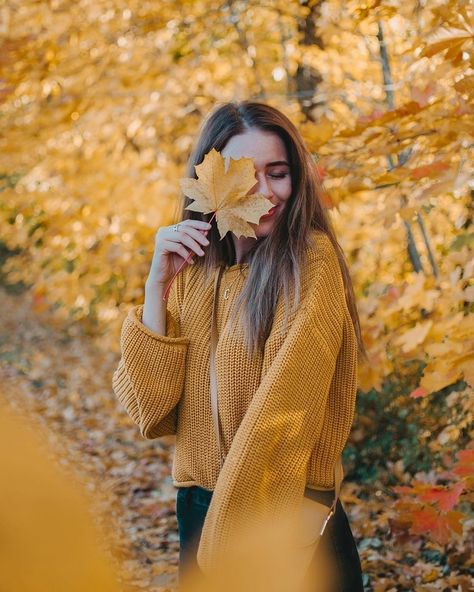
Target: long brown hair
[{"x": 283, "y": 250}]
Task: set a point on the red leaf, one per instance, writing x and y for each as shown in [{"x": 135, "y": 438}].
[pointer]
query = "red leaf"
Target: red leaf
[
  {"x": 441, "y": 527},
  {"x": 419, "y": 392},
  {"x": 445, "y": 498},
  {"x": 465, "y": 465},
  {"x": 424, "y": 520}
]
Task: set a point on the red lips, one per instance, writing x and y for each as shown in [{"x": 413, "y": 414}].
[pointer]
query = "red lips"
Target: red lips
[{"x": 270, "y": 213}]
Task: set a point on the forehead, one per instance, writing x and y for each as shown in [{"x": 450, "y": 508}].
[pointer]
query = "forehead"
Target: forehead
[{"x": 262, "y": 146}]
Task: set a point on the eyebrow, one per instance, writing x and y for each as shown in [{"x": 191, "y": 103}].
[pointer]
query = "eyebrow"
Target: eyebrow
[{"x": 277, "y": 162}]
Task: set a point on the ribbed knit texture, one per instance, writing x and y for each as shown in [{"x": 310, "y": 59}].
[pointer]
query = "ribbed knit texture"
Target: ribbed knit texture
[{"x": 286, "y": 415}]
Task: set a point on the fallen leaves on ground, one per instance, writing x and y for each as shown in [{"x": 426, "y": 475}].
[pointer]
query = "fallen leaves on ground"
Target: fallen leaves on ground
[{"x": 61, "y": 381}]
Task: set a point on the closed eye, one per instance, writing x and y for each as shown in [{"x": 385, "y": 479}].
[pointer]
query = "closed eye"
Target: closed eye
[{"x": 279, "y": 175}]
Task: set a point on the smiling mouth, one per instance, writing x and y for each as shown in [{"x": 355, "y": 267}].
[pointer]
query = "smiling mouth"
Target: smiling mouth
[{"x": 271, "y": 212}]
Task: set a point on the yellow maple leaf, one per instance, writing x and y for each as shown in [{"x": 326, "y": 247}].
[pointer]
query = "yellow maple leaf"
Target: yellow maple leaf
[
  {"x": 225, "y": 193},
  {"x": 413, "y": 337}
]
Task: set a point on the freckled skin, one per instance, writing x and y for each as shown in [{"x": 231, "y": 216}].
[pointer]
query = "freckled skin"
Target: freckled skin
[{"x": 273, "y": 181}]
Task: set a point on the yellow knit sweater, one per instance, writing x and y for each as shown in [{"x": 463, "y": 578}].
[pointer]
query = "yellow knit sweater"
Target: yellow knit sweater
[{"x": 285, "y": 415}]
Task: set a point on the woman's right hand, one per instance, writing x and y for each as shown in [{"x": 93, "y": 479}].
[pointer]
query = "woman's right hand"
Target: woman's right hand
[{"x": 172, "y": 248}]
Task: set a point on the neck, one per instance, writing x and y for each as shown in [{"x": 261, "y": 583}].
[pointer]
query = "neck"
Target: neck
[{"x": 242, "y": 247}]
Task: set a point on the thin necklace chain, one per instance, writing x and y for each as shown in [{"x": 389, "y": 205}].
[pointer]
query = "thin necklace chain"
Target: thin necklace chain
[{"x": 229, "y": 286}]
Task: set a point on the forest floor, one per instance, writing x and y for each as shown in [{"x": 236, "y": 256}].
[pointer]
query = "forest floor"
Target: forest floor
[{"x": 63, "y": 384}]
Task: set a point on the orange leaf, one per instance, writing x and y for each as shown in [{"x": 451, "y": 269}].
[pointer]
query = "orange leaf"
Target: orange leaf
[
  {"x": 430, "y": 170},
  {"x": 446, "y": 38},
  {"x": 321, "y": 171}
]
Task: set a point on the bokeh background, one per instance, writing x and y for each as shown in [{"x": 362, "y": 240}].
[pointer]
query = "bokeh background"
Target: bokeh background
[{"x": 100, "y": 102}]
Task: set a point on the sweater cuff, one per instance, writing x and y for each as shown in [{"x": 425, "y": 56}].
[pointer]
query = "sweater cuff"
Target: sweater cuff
[
  {"x": 135, "y": 315},
  {"x": 124, "y": 392}
]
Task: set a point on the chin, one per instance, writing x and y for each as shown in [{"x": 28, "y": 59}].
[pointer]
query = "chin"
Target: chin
[{"x": 264, "y": 228}]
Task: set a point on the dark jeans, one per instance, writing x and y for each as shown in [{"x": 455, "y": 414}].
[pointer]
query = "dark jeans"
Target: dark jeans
[{"x": 191, "y": 508}]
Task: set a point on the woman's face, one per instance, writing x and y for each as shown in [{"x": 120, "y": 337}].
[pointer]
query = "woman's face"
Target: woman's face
[{"x": 272, "y": 171}]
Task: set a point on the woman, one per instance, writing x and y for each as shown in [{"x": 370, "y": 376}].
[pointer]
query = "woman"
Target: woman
[{"x": 286, "y": 355}]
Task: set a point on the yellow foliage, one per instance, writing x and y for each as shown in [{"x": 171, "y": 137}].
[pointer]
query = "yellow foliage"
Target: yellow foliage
[
  {"x": 49, "y": 541},
  {"x": 99, "y": 119}
]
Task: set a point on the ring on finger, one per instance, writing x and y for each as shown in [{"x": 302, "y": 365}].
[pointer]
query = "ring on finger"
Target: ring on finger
[{"x": 176, "y": 227}]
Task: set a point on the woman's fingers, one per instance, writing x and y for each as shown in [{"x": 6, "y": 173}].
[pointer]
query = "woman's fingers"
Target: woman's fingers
[
  {"x": 182, "y": 237},
  {"x": 189, "y": 236},
  {"x": 175, "y": 247}
]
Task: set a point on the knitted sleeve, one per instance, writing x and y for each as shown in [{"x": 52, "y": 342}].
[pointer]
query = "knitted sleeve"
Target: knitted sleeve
[
  {"x": 265, "y": 468},
  {"x": 149, "y": 378}
]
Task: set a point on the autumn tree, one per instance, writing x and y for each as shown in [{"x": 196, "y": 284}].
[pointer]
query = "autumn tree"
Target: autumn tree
[{"x": 100, "y": 104}]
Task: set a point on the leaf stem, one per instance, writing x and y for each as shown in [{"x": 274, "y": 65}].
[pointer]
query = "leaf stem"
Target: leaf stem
[{"x": 185, "y": 262}]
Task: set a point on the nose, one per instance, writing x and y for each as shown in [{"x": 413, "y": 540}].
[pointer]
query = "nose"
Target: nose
[{"x": 262, "y": 186}]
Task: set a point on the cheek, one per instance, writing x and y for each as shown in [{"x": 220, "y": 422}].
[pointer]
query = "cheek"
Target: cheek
[{"x": 285, "y": 190}]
